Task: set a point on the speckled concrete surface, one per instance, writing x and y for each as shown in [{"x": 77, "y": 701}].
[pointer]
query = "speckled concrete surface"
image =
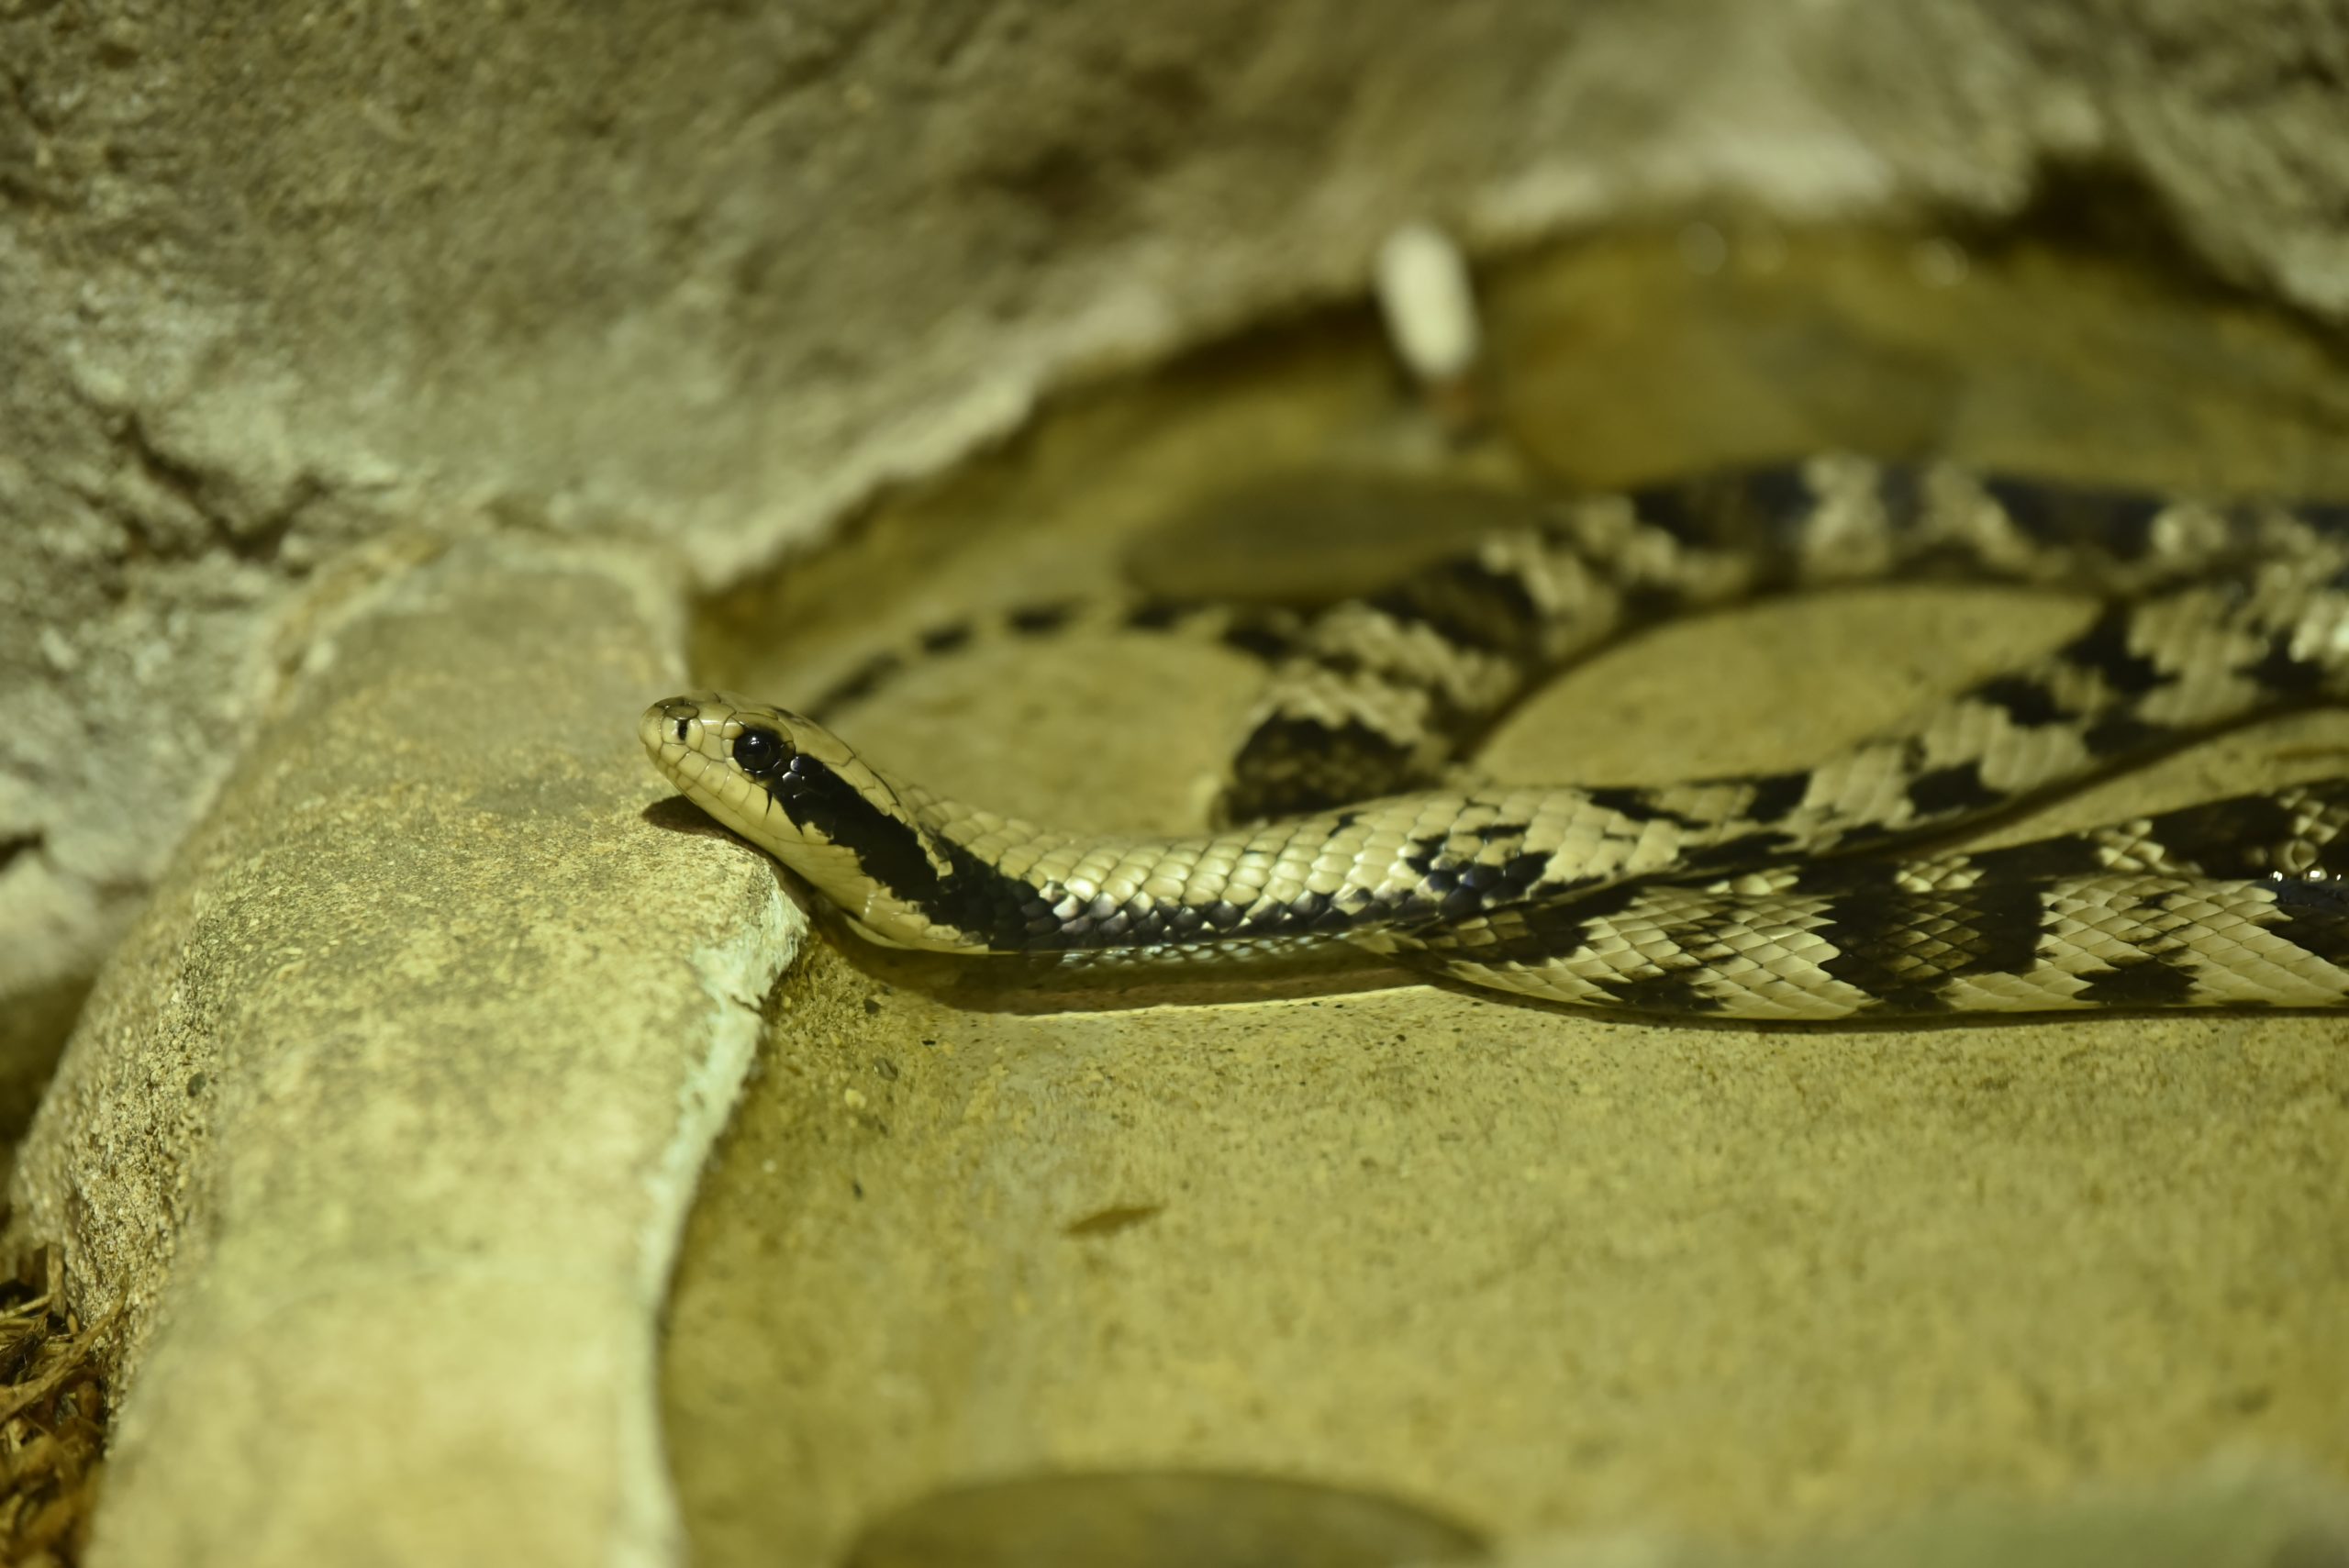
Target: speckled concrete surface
[
  {"x": 1535, "y": 1271},
  {"x": 2234, "y": 1513}
]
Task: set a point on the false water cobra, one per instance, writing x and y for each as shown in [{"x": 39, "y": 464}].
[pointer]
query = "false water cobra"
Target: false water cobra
[{"x": 1786, "y": 895}]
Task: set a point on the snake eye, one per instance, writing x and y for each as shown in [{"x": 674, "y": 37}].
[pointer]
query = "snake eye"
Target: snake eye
[{"x": 758, "y": 750}]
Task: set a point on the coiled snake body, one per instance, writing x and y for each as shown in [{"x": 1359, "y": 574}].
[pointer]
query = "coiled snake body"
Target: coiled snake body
[{"x": 1770, "y": 897}]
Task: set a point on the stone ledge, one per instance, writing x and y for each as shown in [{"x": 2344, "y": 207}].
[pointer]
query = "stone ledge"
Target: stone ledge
[{"x": 379, "y": 1130}]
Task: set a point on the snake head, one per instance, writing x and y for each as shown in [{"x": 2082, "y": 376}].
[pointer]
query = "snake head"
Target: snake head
[
  {"x": 713, "y": 727},
  {"x": 732, "y": 757},
  {"x": 798, "y": 792}
]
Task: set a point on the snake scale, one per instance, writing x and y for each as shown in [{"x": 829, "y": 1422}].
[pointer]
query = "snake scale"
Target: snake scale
[{"x": 1789, "y": 896}]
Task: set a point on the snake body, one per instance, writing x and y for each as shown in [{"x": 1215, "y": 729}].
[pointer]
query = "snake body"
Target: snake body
[{"x": 1779, "y": 896}]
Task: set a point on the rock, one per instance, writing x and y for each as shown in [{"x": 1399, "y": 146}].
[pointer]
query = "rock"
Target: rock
[
  {"x": 2241, "y": 1513},
  {"x": 376, "y": 1137}
]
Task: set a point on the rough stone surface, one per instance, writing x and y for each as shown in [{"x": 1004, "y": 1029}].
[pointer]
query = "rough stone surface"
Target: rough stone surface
[
  {"x": 2235, "y": 1515},
  {"x": 269, "y": 285},
  {"x": 374, "y": 1140},
  {"x": 2230, "y": 117}
]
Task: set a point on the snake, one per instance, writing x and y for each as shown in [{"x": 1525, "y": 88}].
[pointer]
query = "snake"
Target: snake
[{"x": 1827, "y": 893}]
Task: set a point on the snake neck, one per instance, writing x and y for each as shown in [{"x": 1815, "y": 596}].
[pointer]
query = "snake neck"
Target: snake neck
[
  {"x": 915, "y": 870},
  {"x": 874, "y": 854},
  {"x": 950, "y": 877}
]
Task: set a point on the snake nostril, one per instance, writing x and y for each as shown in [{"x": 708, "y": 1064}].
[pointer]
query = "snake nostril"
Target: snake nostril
[{"x": 682, "y": 725}]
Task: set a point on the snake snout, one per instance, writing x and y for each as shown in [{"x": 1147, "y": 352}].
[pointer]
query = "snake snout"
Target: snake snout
[
  {"x": 669, "y": 722},
  {"x": 682, "y": 724}
]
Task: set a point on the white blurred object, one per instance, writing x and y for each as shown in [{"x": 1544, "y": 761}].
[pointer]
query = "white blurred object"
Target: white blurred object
[{"x": 1430, "y": 311}]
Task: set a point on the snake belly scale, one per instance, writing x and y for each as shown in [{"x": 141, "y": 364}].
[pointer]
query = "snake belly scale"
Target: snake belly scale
[{"x": 1789, "y": 896}]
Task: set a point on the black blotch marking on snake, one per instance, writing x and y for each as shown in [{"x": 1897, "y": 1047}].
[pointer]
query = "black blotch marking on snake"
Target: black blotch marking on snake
[
  {"x": 2280, "y": 670},
  {"x": 2236, "y": 838},
  {"x": 1035, "y": 620},
  {"x": 27, "y": 843},
  {"x": 1672, "y": 507},
  {"x": 1288, "y": 766},
  {"x": 1904, "y": 949},
  {"x": 2312, "y": 917},
  {"x": 1466, "y": 603},
  {"x": 1955, "y": 788},
  {"x": 1160, "y": 614},
  {"x": 1679, "y": 992},
  {"x": 2071, "y": 855},
  {"x": 1777, "y": 795},
  {"x": 1257, "y": 640},
  {"x": 1535, "y": 933},
  {"x": 1641, "y": 805},
  {"x": 1744, "y": 851},
  {"x": 1781, "y": 498},
  {"x": 2118, "y": 521},
  {"x": 946, "y": 639},
  {"x": 2027, "y": 704},
  {"x": 1900, "y": 491},
  {"x": 1757, "y": 511},
  {"x": 2104, "y": 648},
  {"x": 2150, "y": 982}
]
